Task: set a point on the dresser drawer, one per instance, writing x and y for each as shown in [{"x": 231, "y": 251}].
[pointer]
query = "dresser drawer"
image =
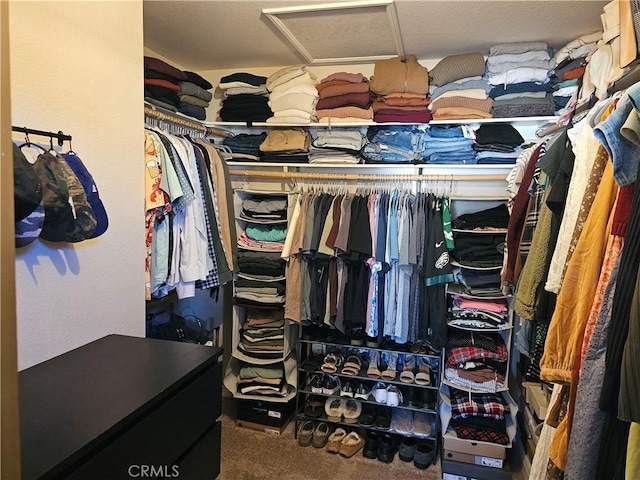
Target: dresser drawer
[
  {"x": 203, "y": 460},
  {"x": 162, "y": 436}
]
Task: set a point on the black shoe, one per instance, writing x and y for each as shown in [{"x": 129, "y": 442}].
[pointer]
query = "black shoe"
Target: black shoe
[
  {"x": 371, "y": 445},
  {"x": 383, "y": 418},
  {"x": 410, "y": 397},
  {"x": 407, "y": 449},
  {"x": 368, "y": 416},
  {"x": 424, "y": 455},
  {"x": 427, "y": 399},
  {"x": 387, "y": 449}
]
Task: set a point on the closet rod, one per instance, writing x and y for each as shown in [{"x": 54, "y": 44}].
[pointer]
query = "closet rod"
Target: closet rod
[
  {"x": 167, "y": 117},
  {"x": 365, "y": 176},
  {"x": 30, "y": 131}
]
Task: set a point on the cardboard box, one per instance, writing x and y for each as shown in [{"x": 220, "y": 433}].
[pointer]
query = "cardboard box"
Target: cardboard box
[
  {"x": 481, "y": 449},
  {"x": 473, "y": 459},
  {"x": 261, "y": 428},
  {"x": 537, "y": 399},
  {"x": 270, "y": 414},
  {"x": 464, "y": 471}
]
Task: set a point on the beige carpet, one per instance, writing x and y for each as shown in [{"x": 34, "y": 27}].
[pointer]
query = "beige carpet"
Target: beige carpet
[{"x": 252, "y": 455}]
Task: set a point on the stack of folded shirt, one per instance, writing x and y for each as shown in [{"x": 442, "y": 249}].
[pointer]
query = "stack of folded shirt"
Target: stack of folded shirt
[
  {"x": 476, "y": 361},
  {"x": 263, "y": 380},
  {"x": 292, "y": 96},
  {"x": 264, "y": 208},
  {"x": 337, "y": 146},
  {"x": 286, "y": 145},
  {"x": 478, "y": 282},
  {"x": 343, "y": 97},
  {"x": 405, "y": 83},
  {"x": 244, "y": 146},
  {"x": 194, "y": 96},
  {"x": 245, "y": 98},
  {"x": 478, "y": 251},
  {"x": 262, "y": 237},
  {"x": 497, "y": 144},
  {"x": 479, "y": 416},
  {"x": 444, "y": 144},
  {"x": 393, "y": 144},
  {"x": 489, "y": 219},
  {"x": 261, "y": 265},
  {"x": 161, "y": 83},
  {"x": 458, "y": 90},
  {"x": 477, "y": 313},
  {"x": 259, "y": 293},
  {"x": 526, "y": 67}
]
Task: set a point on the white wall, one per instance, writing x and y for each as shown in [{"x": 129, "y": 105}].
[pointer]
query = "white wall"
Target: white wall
[{"x": 77, "y": 67}]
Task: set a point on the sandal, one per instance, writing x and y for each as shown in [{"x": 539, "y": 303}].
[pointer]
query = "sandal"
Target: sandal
[
  {"x": 314, "y": 407},
  {"x": 374, "y": 361},
  {"x": 352, "y": 365},
  {"x": 407, "y": 375},
  {"x": 331, "y": 362},
  {"x": 423, "y": 377},
  {"x": 390, "y": 372}
]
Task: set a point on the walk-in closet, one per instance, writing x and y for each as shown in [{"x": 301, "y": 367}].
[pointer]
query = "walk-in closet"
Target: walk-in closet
[{"x": 262, "y": 239}]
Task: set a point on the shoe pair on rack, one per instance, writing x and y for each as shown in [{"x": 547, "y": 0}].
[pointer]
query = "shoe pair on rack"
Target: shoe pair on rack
[
  {"x": 416, "y": 369},
  {"x": 388, "y": 394},
  {"x": 339, "y": 408},
  {"x": 421, "y": 453},
  {"x": 376, "y": 368},
  {"x": 354, "y": 390},
  {"x": 346, "y": 444},
  {"x": 324, "y": 384},
  {"x": 313, "y": 434},
  {"x": 382, "y": 446},
  {"x": 417, "y": 424}
]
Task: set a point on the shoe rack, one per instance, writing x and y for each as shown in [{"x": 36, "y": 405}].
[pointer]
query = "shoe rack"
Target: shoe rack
[{"x": 388, "y": 393}]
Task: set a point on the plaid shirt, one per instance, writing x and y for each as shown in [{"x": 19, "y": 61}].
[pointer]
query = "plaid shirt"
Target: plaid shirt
[
  {"x": 471, "y": 433},
  {"x": 488, "y": 405},
  {"x": 459, "y": 355}
]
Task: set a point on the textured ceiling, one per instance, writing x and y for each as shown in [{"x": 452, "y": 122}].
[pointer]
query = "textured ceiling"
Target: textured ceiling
[{"x": 231, "y": 34}]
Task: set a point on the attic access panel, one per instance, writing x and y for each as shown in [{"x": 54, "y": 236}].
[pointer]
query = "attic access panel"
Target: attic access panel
[{"x": 340, "y": 33}]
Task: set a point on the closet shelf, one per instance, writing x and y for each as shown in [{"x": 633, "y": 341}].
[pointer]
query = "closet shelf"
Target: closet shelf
[
  {"x": 468, "y": 121},
  {"x": 363, "y": 347},
  {"x": 372, "y": 402},
  {"x": 480, "y": 329}
]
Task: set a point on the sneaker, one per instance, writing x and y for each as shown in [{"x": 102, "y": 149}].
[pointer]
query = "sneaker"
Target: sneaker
[
  {"x": 331, "y": 385},
  {"x": 347, "y": 389},
  {"x": 394, "y": 396},
  {"x": 379, "y": 392},
  {"x": 316, "y": 383},
  {"x": 407, "y": 449},
  {"x": 361, "y": 391}
]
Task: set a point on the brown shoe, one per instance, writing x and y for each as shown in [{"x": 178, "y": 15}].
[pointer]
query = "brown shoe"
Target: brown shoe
[
  {"x": 334, "y": 440},
  {"x": 320, "y": 435},
  {"x": 305, "y": 433},
  {"x": 351, "y": 444}
]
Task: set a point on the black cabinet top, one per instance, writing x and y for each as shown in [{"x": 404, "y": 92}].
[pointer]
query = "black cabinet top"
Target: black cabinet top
[{"x": 71, "y": 404}]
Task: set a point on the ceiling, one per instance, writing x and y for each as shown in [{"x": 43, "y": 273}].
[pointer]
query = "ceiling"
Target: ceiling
[{"x": 236, "y": 34}]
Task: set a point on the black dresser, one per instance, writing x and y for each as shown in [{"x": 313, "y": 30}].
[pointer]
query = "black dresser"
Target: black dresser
[{"x": 120, "y": 408}]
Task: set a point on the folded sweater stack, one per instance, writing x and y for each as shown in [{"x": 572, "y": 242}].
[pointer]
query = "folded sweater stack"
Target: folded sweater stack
[
  {"x": 344, "y": 97},
  {"x": 292, "y": 95},
  {"x": 400, "y": 85},
  {"x": 245, "y": 98},
  {"x": 161, "y": 83},
  {"x": 458, "y": 89},
  {"x": 519, "y": 73},
  {"x": 176, "y": 90}
]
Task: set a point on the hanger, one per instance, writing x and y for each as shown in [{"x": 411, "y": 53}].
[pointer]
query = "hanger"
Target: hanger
[{"x": 27, "y": 143}]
